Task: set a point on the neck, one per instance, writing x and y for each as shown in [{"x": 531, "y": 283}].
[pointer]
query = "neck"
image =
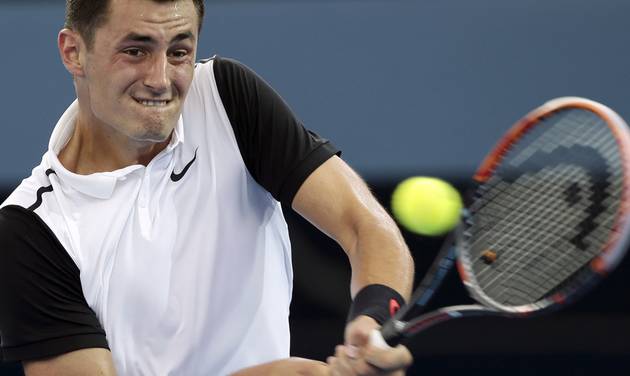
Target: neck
[{"x": 96, "y": 148}]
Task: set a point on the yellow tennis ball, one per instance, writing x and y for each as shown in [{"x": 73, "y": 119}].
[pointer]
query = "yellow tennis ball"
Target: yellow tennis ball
[{"x": 426, "y": 206}]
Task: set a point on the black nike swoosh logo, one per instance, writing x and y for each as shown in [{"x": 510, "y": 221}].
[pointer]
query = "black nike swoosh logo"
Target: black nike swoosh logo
[{"x": 177, "y": 177}]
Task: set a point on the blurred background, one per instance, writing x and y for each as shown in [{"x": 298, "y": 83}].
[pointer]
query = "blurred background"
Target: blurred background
[{"x": 403, "y": 87}]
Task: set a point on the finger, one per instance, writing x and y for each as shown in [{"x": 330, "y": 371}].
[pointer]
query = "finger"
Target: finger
[
  {"x": 332, "y": 366},
  {"x": 395, "y": 358},
  {"x": 343, "y": 364},
  {"x": 362, "y": 368},
  {"x": 352, "y": 351},
  {"x": 350, "y": 361}
]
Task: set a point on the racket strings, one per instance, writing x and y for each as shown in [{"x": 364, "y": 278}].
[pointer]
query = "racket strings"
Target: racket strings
[
  {"x": 488, "y": 193},
  {"x": 586, "y": 224},
  {"x": 535, "y": 234},
  {"x": 524, "y": 217},
  {"x": 532, "y": 226},
  {"x": 557, "y": 267},
  {"x": 525, "y": 235}
]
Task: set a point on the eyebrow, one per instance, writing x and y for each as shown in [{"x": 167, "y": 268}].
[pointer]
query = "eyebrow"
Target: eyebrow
[{"x": 135, "y": 37}]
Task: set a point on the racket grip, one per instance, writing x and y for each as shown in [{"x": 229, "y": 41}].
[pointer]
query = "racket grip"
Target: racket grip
[{"x": 388, "y": 335}]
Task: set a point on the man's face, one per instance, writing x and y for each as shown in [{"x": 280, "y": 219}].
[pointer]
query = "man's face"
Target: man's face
[{"x": 140, "y": 68}]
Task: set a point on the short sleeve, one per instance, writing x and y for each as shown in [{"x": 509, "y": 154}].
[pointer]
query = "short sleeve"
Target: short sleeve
[
  {"x": 279, "y": 152},
  {"x": 42, "y": 308}
]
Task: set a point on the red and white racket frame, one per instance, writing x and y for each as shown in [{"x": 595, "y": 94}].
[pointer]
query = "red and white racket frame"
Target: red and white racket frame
[
  {"x": 600, "y": 266},
  {"x": 616, "y": 246}
]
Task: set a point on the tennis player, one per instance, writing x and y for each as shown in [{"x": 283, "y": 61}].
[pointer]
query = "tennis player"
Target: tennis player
[{"x": 150, "y": 240}]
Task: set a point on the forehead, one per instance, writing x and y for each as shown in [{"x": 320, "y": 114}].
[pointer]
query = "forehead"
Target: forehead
[{"x": 150, "y": 17}]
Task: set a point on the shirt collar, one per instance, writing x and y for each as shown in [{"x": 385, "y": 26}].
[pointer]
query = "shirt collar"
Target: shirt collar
[{"x": 101, "y": 184}]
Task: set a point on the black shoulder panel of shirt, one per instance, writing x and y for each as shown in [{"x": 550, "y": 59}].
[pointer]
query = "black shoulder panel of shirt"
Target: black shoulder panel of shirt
[
  {"x": 43, "y": 311},
  {"x": 279, "y": 152}
]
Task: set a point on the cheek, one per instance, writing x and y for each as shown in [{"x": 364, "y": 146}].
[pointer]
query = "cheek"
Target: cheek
[
  {"x": 182, "y": 78},
  {"x": 120, "y": 75}
]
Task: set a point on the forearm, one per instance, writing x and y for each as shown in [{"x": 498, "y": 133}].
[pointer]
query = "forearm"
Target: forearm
[
  {"x": 336, "y": 200},
  {"x": 379, "y": 255}
]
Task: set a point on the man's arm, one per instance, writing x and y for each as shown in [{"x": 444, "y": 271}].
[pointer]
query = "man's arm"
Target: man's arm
[
  {"x": 337, "y": 201},
  {"x": 45, "y": 321},
  {"x": 86, "y": 362}
]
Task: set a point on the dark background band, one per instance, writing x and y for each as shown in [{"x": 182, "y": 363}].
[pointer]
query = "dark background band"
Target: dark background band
[{"x": 590, "y": 336}]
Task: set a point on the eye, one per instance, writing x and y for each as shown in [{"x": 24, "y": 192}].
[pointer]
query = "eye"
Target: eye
[
  {"x": 135, "y": 52},
  {"x": 179, "y": 54}
]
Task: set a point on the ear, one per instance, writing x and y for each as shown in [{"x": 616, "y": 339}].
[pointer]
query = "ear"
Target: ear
[{"x": 71, "y": 47}]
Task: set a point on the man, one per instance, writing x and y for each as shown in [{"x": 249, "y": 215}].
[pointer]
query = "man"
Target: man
[{"x": 150, "y": 239}]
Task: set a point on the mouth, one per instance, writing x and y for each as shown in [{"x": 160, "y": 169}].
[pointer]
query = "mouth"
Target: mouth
[{"x": 153, "y": 102}]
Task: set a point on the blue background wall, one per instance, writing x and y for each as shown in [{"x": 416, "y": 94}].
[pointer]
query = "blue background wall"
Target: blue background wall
[
  {"x": 404, "y": 88},
  {"x": 401, "y": 86}
]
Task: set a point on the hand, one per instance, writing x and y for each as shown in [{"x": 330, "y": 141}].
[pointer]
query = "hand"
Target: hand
[{"x": 360, "y": 357}]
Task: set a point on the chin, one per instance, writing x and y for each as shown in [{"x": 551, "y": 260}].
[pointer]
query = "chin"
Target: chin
[
  {"x": 153, "y": 135},
  {"x": 157, "y": 137},
  {"x": 156, "y": 132}
]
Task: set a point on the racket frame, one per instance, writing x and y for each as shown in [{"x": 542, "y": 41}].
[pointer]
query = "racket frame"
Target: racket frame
[
  {"x": 617, "y": 244},
  {"x": 614, "y": 250}
]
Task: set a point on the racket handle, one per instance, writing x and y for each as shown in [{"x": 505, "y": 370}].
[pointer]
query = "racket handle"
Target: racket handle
[{"x": 388, "y": 335}]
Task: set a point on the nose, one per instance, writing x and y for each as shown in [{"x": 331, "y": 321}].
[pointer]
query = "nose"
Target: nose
[{"x": 157, "y": 74}]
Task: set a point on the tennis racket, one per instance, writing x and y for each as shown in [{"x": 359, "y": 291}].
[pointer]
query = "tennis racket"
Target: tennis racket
[{"x": 547, "y": 219}]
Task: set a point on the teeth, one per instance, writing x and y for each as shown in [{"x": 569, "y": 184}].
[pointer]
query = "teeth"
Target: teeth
[{"x": 150, "y": 103}]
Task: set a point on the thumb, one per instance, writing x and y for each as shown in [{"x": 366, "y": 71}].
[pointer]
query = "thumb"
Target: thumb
[{"x": 358, "y": 331}]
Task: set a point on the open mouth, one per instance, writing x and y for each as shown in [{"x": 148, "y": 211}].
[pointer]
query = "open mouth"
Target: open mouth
[{"x": 152, "y": 102}]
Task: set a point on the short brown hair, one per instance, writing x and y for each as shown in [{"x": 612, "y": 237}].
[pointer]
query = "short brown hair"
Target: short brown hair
[{"x": 85, "y": 16}]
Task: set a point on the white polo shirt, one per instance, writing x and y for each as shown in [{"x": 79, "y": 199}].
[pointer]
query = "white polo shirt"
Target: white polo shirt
[{"x": 185, "y": 263}]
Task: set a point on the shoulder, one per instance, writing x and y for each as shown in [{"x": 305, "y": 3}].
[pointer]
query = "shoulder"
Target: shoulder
[
  {"x": 28, "y": 219},
  {"x": 28, "y": 194},
  {"x": 23, "y": 235},
  {"x": 43, "y": 311},
  {"x": 13, "y": 219},
  {"x": 220, "y": 65},
  {"x": 32, "y": 210},
  {"x": 228, "y": 74}
]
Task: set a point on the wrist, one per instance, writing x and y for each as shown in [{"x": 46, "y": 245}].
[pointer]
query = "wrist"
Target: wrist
[{"x": 376, "y": 301}]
